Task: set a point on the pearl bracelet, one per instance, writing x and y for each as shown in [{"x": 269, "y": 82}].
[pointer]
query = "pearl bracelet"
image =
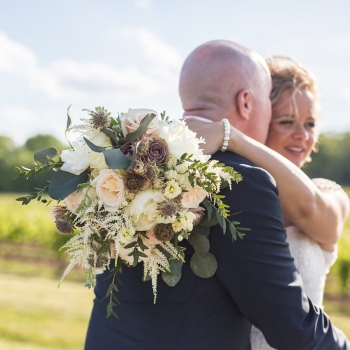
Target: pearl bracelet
[{"x": 226, "y": 134}]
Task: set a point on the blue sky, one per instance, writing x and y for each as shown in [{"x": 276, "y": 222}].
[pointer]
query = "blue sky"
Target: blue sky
[{"x": 123, "y": 54}]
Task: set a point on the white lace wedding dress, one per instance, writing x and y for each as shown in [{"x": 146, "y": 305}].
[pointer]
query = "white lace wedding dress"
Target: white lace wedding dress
[{"x": 312, "y": 262}]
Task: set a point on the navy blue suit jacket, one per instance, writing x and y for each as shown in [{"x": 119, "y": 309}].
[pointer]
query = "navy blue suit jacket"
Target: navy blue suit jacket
[{"x": 256, "y": 283}]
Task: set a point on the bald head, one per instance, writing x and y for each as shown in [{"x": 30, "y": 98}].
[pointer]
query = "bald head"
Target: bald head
[{"x": 214, "y": 74}]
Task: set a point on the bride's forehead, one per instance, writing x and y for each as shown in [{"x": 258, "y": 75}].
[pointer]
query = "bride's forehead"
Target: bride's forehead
[{"x": 295, "y": 103}]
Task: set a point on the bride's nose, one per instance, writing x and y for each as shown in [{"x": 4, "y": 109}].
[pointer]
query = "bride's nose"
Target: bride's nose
[{"x": 300, "y": 131}]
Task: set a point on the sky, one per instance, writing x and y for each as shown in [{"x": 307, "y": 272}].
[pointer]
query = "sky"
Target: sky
[{"x": 124, "y": 54}]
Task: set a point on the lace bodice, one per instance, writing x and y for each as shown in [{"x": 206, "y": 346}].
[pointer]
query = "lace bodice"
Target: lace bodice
[{"x": 312, "y": 262}]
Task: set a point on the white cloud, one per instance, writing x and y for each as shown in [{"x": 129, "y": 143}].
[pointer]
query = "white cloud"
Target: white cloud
[
  {"x": 80, "y": 81},
  {"x": 15, "y": 57},
  {"x": 158, "y": 52},
  {"x": 143, "y": 3},
  {"x": 16, "y": 114},
  {"x": 346, "y": 95}
]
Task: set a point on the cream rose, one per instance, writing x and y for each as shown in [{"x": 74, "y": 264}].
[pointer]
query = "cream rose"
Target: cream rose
[
  {"x": 109, "y": 187},
  {"x": 74, "y": 199},
  {"x": 130, "y": 121},
  {"x": 193, "y": 197}
]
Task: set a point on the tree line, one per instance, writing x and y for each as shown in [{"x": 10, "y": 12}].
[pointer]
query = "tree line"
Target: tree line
[{"x": 332, "y": 161}]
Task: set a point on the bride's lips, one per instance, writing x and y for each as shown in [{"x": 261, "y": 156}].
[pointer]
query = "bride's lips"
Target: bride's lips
[{"x": 296, "y": 151}]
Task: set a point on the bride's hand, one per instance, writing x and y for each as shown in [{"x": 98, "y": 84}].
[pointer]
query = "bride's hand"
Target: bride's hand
[{"x": 212, "y": 132}]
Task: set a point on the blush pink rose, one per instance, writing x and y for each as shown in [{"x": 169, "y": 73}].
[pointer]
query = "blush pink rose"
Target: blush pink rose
[
  {"x": 193, "y": 197},
  {"x": 109, "y": 188},
  {"x": 130, "y": 121}
]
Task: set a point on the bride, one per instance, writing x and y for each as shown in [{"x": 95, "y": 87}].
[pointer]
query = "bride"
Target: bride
[{"x": 314, "y": 211}]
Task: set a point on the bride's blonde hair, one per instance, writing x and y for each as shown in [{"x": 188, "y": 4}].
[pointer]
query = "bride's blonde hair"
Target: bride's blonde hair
[{"x": 287, "y": 73}]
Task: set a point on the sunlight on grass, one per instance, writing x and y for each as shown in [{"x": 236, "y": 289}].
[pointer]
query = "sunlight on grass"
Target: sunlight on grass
[{"x": 36, "y": 313}]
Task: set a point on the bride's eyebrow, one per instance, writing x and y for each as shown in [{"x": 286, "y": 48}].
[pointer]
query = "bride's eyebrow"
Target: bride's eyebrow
[{"x": 290, "y": 115}]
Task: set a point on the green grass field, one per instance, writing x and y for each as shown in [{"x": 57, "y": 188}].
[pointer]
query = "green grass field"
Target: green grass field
[{"x": 37, "y": 315}]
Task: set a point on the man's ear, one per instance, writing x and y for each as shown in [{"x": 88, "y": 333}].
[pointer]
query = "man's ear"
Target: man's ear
[{"x": 244, "y": 104}]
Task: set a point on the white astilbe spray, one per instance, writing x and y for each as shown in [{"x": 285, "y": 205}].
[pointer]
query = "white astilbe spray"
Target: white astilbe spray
[{"x": 155, "y": 263}]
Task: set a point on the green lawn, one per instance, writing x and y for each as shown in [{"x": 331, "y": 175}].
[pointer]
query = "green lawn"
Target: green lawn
[{"x": 36, "y": 315}]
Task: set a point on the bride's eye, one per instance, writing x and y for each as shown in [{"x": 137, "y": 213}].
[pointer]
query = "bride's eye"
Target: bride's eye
[
  {"x": 310, "y": 125},
  {"x": 286, "y": 122}
]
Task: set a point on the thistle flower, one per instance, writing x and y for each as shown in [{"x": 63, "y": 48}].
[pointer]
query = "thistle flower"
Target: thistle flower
[
  {"x": 169, "y": 207},
  {"x": 164, "y": 232},
  {"x": 58, "y": 212},
  {"x": 100, "y": 118},
  {"x": 138, "y": 168},
  {"x": 142, "y": 148},
  {"x": 152, "y": 171},
  {"x": 64, "y": 226},
  {"x": 134, "y": 182}
]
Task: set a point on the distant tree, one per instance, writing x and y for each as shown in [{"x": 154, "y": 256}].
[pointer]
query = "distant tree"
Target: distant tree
[
  {"x": 6, "y": 145},
  {"x": 39, "y": 142},
  {"x": 332, "y": 161}
]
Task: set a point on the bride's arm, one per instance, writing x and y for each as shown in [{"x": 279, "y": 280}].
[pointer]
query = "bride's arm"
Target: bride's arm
[{"x": 320, "y": 214}]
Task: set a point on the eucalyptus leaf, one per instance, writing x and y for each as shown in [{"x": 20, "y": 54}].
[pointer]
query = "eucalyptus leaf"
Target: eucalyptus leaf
[
  {"x": 203, "y": 265},
  {"x": 201, "y": 230},
  {"x": 176, "y": 267},
  {"x": 206, "y": 222},
  {"x": 42, "y": 156},
  {"x": 170, "y": 279},
  {"x": 173, "y": 277},
  {"x": 133, "y": 156},
  {"x": 141, "y": 130},
  {"x": 93, "y": 147},
  {"x": 111, "y": 135},
  {"x": 199, "y": 242},
  {"x": 116, "y": 159},
  {"x": 64, "y": 183}
]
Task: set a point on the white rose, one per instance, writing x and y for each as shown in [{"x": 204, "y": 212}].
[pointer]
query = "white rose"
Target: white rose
[
  {"x": 97, "y": 161},
  {"x": 181, "y": 168},
  {"x": 144, "y": 209},
  {"x": 74, "y": 199},
  {"x": 172, "y": 160},
  {"x": 193, "y": 197},
  {"x": 100, "y": 139},
  {"x": 183, "y": 181},
  {"x": 143, "y": 222},
  {"x": 75, "y": 161},
  {"x": 181, "y": 140},
  {"x": 146, "y": 202},
  {"x": 170, "y": 174},
  {"x": 130, "y": 121},
  {"x": 109, "y": 187}
]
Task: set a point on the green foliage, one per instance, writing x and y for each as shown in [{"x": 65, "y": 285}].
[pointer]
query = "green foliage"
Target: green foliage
[
  {"x": 332, "y": 159},
  {"x": 11, "y": 156},
  {"x": 18, "y": 224},
  {"x": 39, "y": 142}
]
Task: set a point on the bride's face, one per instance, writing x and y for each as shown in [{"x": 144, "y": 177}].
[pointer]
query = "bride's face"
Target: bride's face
[{"x": 293, "y": 131}]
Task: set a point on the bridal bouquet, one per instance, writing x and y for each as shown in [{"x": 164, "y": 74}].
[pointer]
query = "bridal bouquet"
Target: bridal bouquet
[{"x": 130, "y": 189}]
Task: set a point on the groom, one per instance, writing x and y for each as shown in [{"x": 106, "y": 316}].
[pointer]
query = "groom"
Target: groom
[
  {"x": 222, "y": 79},
  {"x": 256, "y": 281}
]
